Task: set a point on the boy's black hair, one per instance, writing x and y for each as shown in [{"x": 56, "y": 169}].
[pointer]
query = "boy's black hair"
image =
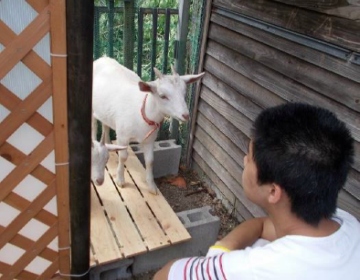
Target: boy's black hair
[{"x": 308, "y": 152}]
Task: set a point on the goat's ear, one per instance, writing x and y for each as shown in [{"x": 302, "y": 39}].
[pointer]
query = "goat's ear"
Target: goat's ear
[
  {"x": 147, "y": 87},
  {"x": 189, "y": 79},
  {"x": 113, "y": 147},
  {"x": 158, "y": 73}
]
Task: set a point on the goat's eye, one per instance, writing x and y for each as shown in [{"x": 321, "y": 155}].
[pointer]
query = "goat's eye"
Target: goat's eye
[{"x": 164, "y": 97}]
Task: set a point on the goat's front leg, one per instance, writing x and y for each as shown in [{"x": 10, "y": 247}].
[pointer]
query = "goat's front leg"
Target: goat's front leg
[
  {"x": 148, "y": 149},
  {"x": 120, "y": 179}
]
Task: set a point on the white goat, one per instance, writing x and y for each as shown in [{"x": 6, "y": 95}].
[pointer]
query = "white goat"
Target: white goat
[
  {"x": 135, "y": 109},
  {"x": 99, "y": 158}
]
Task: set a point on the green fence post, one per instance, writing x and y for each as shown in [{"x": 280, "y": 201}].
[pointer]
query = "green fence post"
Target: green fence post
[
  {"x": 129, "y": 29},
  {"x": 111, "y": 8},
  {"x": 183, "y": 25}
]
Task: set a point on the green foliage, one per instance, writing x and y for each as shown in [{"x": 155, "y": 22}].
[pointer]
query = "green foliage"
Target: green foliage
[{"x": 109, "y": 32}]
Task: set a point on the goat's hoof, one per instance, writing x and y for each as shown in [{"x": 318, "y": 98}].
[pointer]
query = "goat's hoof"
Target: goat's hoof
[
  {"x": 120, "y": 184},
  {"x": 154, "y": 192}
]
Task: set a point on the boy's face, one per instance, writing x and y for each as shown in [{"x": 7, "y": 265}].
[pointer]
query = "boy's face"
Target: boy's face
[{"x": 252, "y": 189}]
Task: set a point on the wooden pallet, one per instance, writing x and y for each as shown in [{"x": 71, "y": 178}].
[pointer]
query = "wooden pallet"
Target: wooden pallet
[{"x": 130, "y": 221}]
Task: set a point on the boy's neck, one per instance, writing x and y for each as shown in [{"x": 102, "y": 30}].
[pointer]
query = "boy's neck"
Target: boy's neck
[{"x": 289, "y": 224}]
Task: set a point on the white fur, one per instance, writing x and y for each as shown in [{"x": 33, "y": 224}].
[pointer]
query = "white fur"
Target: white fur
[{"x": 118, "y": 94}]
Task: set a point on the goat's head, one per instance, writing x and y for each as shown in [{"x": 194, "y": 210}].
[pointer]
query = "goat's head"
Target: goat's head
[
  {"x": 99, "y": 158},
  {"x": 170, "y": 90}
]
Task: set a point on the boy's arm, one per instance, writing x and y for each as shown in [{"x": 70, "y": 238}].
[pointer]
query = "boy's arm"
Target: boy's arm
[
  {"x": 163, "y": 273},
  {"x": 247, "y": 233},
  {"x": 242, "y": 236}
]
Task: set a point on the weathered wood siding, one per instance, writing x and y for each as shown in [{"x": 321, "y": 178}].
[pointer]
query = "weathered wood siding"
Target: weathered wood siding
[{"x": 250, "y": 68}]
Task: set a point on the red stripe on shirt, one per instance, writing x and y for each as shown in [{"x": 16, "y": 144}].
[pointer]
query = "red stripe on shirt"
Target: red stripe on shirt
[
  {"x": 197, "y": 270},
  {"x": 221, "y": 266},
  {"x": 185, "y": 268},
  {"x": 208, "y": 268}
]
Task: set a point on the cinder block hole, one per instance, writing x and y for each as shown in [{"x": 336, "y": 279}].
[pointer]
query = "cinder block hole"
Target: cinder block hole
[
  {"x": 194, "y": 217},
  {"x": 135, "y": 148},
  {"x": 164, "y": 144}
]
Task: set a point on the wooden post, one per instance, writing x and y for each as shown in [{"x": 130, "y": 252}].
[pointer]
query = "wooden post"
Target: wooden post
[
  {"x": 197, "y": 90},
  {"x": 183, "y": 26},
  {"x": 129, "y": 35},
  {"x": 80, "y": 17},
  {"x": 59, "y": 98}
]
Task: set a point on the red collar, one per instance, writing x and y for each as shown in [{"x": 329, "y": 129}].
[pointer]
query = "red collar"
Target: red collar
[{"x": 149, "y": 122}]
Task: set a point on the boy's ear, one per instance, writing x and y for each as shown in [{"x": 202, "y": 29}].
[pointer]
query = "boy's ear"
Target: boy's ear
[{"x": 275, "y": 194}]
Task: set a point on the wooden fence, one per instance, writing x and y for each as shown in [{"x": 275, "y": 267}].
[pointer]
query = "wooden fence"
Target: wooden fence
[{"x": 34, "y": 220}]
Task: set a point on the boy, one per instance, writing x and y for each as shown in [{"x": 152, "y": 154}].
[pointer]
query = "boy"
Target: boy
[{"x": 299, "y": 157}]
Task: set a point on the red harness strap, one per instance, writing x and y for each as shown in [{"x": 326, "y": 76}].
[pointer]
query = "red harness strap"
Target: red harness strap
[{"x": 149, "y": 122}]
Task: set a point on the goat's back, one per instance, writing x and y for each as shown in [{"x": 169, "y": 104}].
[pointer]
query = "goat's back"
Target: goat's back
[{"x": 116, "y": 93}]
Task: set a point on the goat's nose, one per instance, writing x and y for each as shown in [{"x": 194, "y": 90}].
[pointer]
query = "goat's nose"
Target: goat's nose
[
  {"x": 185, "y": 116},
  {"x": 99, "y": 181}
]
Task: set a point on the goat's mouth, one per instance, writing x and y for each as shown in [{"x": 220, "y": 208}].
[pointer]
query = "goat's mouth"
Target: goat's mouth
[{"x": 183, "y": 118}]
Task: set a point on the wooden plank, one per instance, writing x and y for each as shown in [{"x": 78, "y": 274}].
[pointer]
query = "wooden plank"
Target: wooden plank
[
  {"x": 26, "y": 166},
  {"x": 150, "y": 230},
  {"x": 102, "y": 238},
  {"x": 227, "y": 179},
  {"x": 167, "y": 218},
  {"x": 24, "y": 42},
  {"x": 130, "y": 241},
  {"x": 333, "y": 64},
  {"x": 338, "y": 31},
  {"x": 24, "y": 217},
  {"x": 26, "y": 243},
  {"x": 21, "y": 204},
  {"x": 251, "y": 90},
  {"x": 30, "y": 255},
  {"x": 206, "y": 126},
  {"x": 16, "y": 157},
  {"x": 202, "y": 53},
  {"x": 226, "y": 127},
  {"x": 24, "y": 110},
  {"x": 349, "y": 203},
  {"x": 232, "y": 97},
  {"x": 25, "y": 275},
  {"x": 92, "y": 259},
  {"x": 211, "y": 177},
  {"x": 38, "y": 5},
  {"x": 59, "y": 93},
  {"x": 10, "y": 101},
  {"x": 352, "y": 184},
  {"x": 356, "y": 164},
  {"x": 237, "y": 118},
  {"x": 329, "y": 84},
  {"x": 32, "y": 60},
  {"x": 332, "y": 7},
  {"x": 284, "y": 87},
  {"x": 50, "y": 271}
]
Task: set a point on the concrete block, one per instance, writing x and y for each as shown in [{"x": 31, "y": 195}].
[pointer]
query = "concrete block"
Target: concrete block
[
  {"x": 203, "y": 228},
  {"x": 167, "y": 156},
  {"x": 112, "y": 271}
]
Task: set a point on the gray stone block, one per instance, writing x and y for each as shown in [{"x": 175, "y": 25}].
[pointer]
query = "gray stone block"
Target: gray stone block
[
  {"x": 167, "y": 156},
  {"x": 112, "y": 271},
  {"x": 203, "y": 228}
]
